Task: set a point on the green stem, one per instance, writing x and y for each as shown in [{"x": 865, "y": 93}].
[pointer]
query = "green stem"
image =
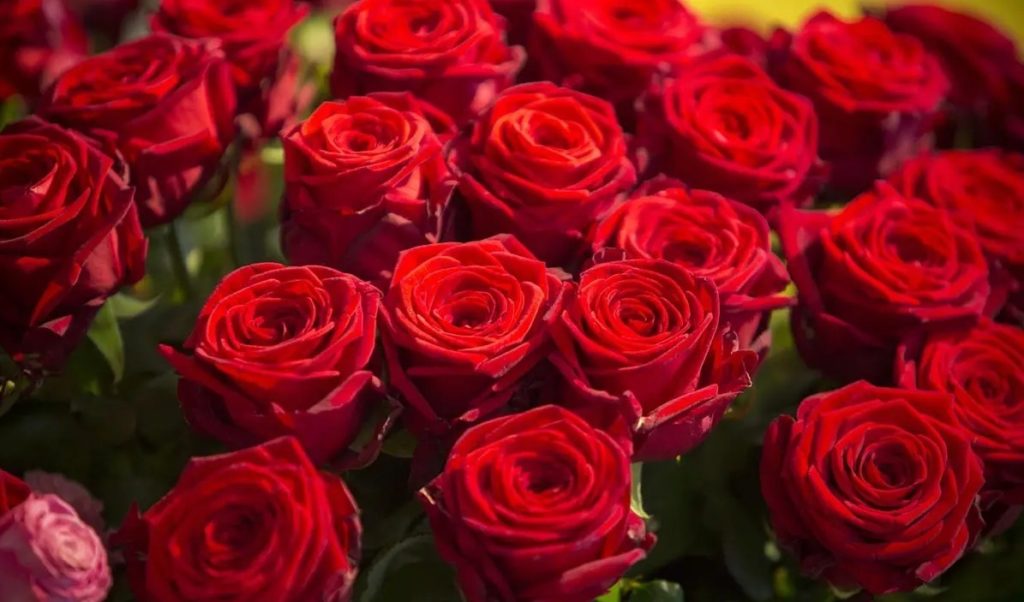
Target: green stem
[
  {"x": 177, "y": 256},
  {"x": 231, "y": 224}
]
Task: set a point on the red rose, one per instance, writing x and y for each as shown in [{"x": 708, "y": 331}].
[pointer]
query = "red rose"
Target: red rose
[
  {"x": 450, "y": 53},
  {"x": 107, "y": 17},
  {"x": 364, "y": 180},
  {"x": 518, "y": 16},
  {"x": 13, "y": 491},
  {"x": 283, "y": 350},
  {"x": 253, "y": 35},
  {"x": 883, "y": 267},
  {"x": 38, "y": 40},
  {"x": 723, "y": 125},
  {"x": 745, "y": 42},
  {"x": 256, "y": 524},
  {"x": 166, "y": 104},
  {"x": 711, "y": 236},
  {"x": 875, "y": 92},
  {"x": 641, "y": 337},
  {"x": 872, "y": 487},
  {"x": 612, "y": 48},
  {"x": 69, "y": 239},
  {"x": 543, "y": 164},
  {"x": 536, "y": 507},
  {"x": 463, "y": 324},
  {"x": 1007, "y": 123}
]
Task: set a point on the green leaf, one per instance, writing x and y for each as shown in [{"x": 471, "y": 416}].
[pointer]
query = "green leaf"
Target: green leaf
[
  {"x": 106, "y": 335},
  {"x": 614, "y": 594},
  {"x": 656, "y": 591},
  {"x": 743, "y": 547},
  {"x": 400, "y": 444},
  {"x": 636, "y": 500},
  {"x": 410, "y": 570},
  {"x": 126, "y": 306}
]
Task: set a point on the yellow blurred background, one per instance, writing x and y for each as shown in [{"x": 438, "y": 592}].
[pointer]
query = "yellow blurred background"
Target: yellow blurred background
[{"x": 1008, "y": 15}]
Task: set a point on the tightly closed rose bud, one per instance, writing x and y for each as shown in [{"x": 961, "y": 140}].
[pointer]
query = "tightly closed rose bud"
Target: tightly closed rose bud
[
  {"x": 463, "y": 324},
  {"x": 711, "y": 236},
  {"x": 724, "y": 125},
  {"x": 872, "y": 487},
  {"x": 365, "y": 179},
  {"x": 38, "y": 40},
  {"x": 69, "y": 239},
  {"x": 283, "y": 350},
  {"x": 165, "y": 104},
  {"x": 543, "y": 164},
  {"x": 876, "y": 92},
  {"x": 641, "y": 339},
  {"x": 450, "y": 53},
  {"x": 256, "y": 524},
  {"x": 536, "y": 507},
  {"x": 48, "y": 554},
  {"x": 882, "y": 268}
]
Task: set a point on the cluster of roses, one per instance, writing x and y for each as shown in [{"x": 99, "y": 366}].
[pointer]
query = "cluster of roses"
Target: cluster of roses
[{"x": 549, "y": 279}]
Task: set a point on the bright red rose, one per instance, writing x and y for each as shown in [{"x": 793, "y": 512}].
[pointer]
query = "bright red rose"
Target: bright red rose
[
  {"x": 165, "y": 104},
  {"x": 543, "y": 164},
  {"x": 876, "y": 92},
  {"x": 257, "y": 524},
  {"x": 872, "y": 487},
  {"x": 69, "y": 239},
  {"x": 724, "y": 125},
  {"x": 13, "y": 491},
  {"x": 882, "y": 268},
  {"x": 536, "y": 506},
  {"x": 463, "y": 324},
  {"x": 450, "y": 53},
  {"x": 365, "y": 179},
  {"x": 711, "y": 236},
  {"x": 38, "y": 40},
  {"x": 283, "y": 351}
]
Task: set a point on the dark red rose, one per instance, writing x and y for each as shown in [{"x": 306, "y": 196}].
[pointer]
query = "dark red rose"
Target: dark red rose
[
  {"x": 257, "y": 524},
  {"x": 876, "y": 92},
  {"x": 38, "y": 40},
  {"x": 463, "y": 324},
  {"x": 253, "y": 35},
  {"x": 166, "y": 104},
  {"x": 641, "y": 337},
  {"x": 724, "y": 125},
  {"x": 872, "y": 487},
  {"x": 450, "y": 53},
  {"x": 69, "y": 239},
  {"x": 365, "y": 179},
  {"x": 880, "y": 269},
  {"x": 711, "y": 236},
  {"x": 536, "y": 506},
  {"x": 612, "y": 48},
  {"x": 543, "y": 164},
  {"x": 518, "y": 16},
  {"x": 746, "y": 43},
  {"x": 283, "y": 351},
  {"x": 1007, "y": 122},
  {"x": 13, "y": 491},
  {"x": 107, "y": 17}
]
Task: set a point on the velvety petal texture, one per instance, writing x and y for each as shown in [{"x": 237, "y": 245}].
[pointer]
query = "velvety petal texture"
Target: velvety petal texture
[{"x": 38, "y": 40}]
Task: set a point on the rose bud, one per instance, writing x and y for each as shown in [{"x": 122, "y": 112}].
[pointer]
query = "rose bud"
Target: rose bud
[
  {"x": 536, "y": 506},
  {"x": 983, "y": 368},
  {"x": 253, "y": 35},
  {"x": 450, "y": 53},
  {"x": 48, "y": 554},
  {"x": 724, "y": 125},
  {"x": 712, "y": 237},
  {"x": 283, "y": 351},
  {"x": 38, "y": 40},
  {"x": 13, "y": 491},
  {"x": 365, "y": 179},
  {"x": 869, "y": 275},
  {"x": 543, "y": 164},
  {"x": 69, "y": 239},
  {"x": 165, "y": 104},
  {"x": 640, "y": 339},
  {"x": 257, "y": 524},
  {"x": 463, "y": 324},
  {"x": 872, "y": 487},
  {"x": 876, "y": 92}
]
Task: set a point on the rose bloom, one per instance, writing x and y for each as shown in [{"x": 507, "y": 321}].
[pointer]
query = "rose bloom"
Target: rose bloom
[
  {"x": 69, "y": 239},
  {"x": 282, "y": 350},
  {"x": 165, "y": 104},
  {"x": 256, "y": 524},
  {"x": 1007, "y": 123},
  {"x": 38, "y": 40},
  {"x": 641, "y": 339},
  {"x": 872, "y": 487},
  {"x": 543, "y": 164},
  {"x": 536, "y": 506},
  {"x": 365, "y": 179},
  {"x": 48, "y": 554},
  {"x": 13, "y": 491},
  {"x": 880, "y": 269},
  {"x": 450, "y": 53},
  {"x": 463, "y": 325},
  {"x": 876, "y": 92}
]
